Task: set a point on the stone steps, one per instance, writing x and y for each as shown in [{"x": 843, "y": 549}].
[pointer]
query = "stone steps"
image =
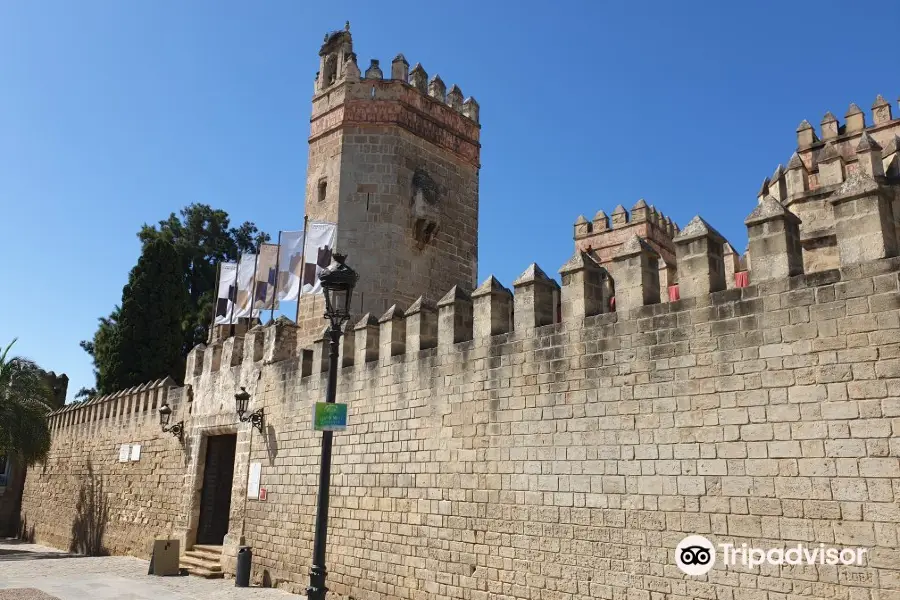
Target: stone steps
[
  {"x": 203, "y": 561},
  {"x": 209, "y": 552}
]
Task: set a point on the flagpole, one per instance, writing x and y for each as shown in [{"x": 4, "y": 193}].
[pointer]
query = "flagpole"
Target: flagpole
[
  {"x": 237, "y": 277},
  {"x": 275, "y": 292},
  {"x": 302, "y": 266},
  {"x": 212, "y": 322}
]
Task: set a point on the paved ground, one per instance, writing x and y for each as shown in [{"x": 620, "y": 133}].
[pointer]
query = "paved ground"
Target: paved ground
[{"x": 31, "y": 572}]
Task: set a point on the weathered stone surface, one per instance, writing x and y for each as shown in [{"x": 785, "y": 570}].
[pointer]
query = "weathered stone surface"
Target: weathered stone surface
[
  {"x": 744, "y": 390},
  {"x": 774, "y": 236},
  {"x": 551, "y": 461}
]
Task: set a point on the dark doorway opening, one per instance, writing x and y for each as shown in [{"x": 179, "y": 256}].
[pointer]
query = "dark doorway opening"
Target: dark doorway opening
[{"x": 215, "y": 499}]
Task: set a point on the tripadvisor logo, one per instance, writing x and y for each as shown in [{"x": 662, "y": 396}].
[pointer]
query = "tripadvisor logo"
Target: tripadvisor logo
[{"x": 695, "y": 555}]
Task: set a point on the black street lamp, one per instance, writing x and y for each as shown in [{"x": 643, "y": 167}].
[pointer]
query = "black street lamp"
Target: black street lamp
[
  {"x": 241, "y": 399},
  {"x": 338, "y": 281},
  {"x": 165, "y": 415}
]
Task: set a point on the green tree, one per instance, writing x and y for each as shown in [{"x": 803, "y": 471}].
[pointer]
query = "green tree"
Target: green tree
[
  {"x": 146, "y": 344},
  {"x": 25, "y": 400},
  {"x": 202, "y": 237},
  {"x": 102, "y": 349}
]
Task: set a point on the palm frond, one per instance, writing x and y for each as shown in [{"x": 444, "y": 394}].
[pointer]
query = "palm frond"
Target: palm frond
[
  {"x": 6, "y": 351},
  {"x": 25, "y": 402}
]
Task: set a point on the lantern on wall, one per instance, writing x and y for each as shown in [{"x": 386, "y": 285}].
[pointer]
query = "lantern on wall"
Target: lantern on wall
[
  {"x": 165, "y": 415},
  {"x": 241, "y": 404}
]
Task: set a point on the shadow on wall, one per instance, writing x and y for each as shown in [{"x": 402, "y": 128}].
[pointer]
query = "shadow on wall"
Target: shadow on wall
[
  {"x": 25, "y": 533},
  {"x": 271, "y": 444},
  {"x": 91, "y": 516}
]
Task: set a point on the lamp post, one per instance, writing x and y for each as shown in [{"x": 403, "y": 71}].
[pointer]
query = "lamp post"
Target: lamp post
[
  {"x": 338, "y": 281},
  {"x": 165, "y": 415}
]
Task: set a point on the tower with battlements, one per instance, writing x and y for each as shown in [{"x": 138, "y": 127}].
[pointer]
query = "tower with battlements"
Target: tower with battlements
[
  {"x": 575, "y": 433},
  {"x": 836, "y": 203},
  {"x": 813, "y": 183},
  {"x": 394, "y": 160}
]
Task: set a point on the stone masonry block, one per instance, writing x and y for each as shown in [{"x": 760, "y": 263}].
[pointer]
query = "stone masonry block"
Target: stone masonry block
[
  {"x": 635, "y": 272},
  {"x": 492, "y": 308},
  {"x": 584, "y": 288},
  {"x": 536, "y": 299},
  {"x": 774, "y": 234},
  {"x": 367, "y": 339},
  {"x": 421, "y": 325},
  {"x": 280, "y": 341},
  {"x": 864, "y": 221},
  {"x": 392, "y": 333},
  {"x": 455, "y": 315},
  {"x": 701, "y": 266}
]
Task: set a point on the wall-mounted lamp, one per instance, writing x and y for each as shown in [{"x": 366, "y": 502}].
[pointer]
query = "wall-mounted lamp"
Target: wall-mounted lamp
[
  {"x": 165, "y": 415},
  {"x": 241, "y": 400}
]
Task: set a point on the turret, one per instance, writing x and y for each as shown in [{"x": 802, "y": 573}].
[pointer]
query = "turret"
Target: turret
[
  {"x": 829, "y": 127},
  {"x": 856, "y": 119},
  {"x": 455, "y": 98},
  {"x": 335, "y": 52},
  {"x": 400, "y": 68},
  {"x": 437, "y": 89},
  {"x": 418, "y": 78},
  {"x": 425, "y": 188},
  {"x": 881, "y": 110},
  {"x": 374, "y": 71}
]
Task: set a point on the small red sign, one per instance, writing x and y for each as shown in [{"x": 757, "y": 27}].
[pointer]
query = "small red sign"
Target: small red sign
[{"x": 262, "y": 494}]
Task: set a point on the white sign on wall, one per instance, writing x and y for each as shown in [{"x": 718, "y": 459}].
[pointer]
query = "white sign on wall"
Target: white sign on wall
[
  {"x": 253, "y": 481},
  {"x": 136, "y": 452},
  {"x": 124, "y": 452}
]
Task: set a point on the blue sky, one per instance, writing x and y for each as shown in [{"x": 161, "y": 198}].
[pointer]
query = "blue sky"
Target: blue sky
[{"x": 113, "y": 114}]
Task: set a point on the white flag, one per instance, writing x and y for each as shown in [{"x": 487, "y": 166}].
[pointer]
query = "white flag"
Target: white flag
[
  {"x": 245, "y": 270},
  {"x": 264, "y": 285},
  {"x": 226, "y": 292},
  {"x": 290, "y": 267},
  {"x": 320, "y": 238}
]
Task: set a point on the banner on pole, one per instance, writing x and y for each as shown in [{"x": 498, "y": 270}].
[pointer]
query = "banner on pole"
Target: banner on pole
[
  {"x": 290, "y": 268},
  {"x": 226, "y": 291},
  {"x": 320, "y": 239},
  {"x": 246, "y": 267},
  {"x": 264, "y": 290}
]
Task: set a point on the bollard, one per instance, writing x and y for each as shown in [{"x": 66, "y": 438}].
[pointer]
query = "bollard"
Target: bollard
[{"x": 244, "y": 560}]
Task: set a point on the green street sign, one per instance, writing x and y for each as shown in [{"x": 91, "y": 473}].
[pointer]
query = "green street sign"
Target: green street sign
[{"x": 330, "y": 417}]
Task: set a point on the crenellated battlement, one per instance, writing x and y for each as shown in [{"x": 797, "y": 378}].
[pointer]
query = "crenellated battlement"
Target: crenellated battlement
[
  {"x": 602, "y": 236},
  {"x": 662, "y": 384},
  {"x": 338, "y": 65},
  {"x": 622, "y": 264},
  {"x": 125, "y": 408},
  {"x": 632, "y": 276},
  {"x": 823, "y": 162}
]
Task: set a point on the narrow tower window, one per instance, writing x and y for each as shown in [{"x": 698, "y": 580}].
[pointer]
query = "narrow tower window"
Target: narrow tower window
[{"x": 323, "y": 188}]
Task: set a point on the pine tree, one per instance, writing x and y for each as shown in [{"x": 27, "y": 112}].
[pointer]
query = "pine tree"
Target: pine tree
[
  {"x": 200, "y": 238},
  {"x": 147, "y": 341}
]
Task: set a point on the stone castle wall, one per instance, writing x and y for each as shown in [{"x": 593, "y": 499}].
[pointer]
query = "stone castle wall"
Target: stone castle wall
[
  {"x": 491, "y": 455},
  {"x": 84, "y": 499},
  {"x": 11, "y": 492}
]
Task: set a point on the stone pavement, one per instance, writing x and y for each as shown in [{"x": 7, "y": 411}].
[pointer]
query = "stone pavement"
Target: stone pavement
[{"x": 32, "y": 572}]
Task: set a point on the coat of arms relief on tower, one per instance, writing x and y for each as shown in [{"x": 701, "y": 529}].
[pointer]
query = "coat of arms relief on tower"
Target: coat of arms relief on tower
[{"x": 425, "y": 211}]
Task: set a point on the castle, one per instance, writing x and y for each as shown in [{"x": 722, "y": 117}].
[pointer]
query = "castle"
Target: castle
[{"x": 556, "y": 442}]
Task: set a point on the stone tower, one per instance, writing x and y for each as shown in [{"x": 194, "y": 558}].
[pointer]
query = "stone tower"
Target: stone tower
[{"x": 394, "y": 160}]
